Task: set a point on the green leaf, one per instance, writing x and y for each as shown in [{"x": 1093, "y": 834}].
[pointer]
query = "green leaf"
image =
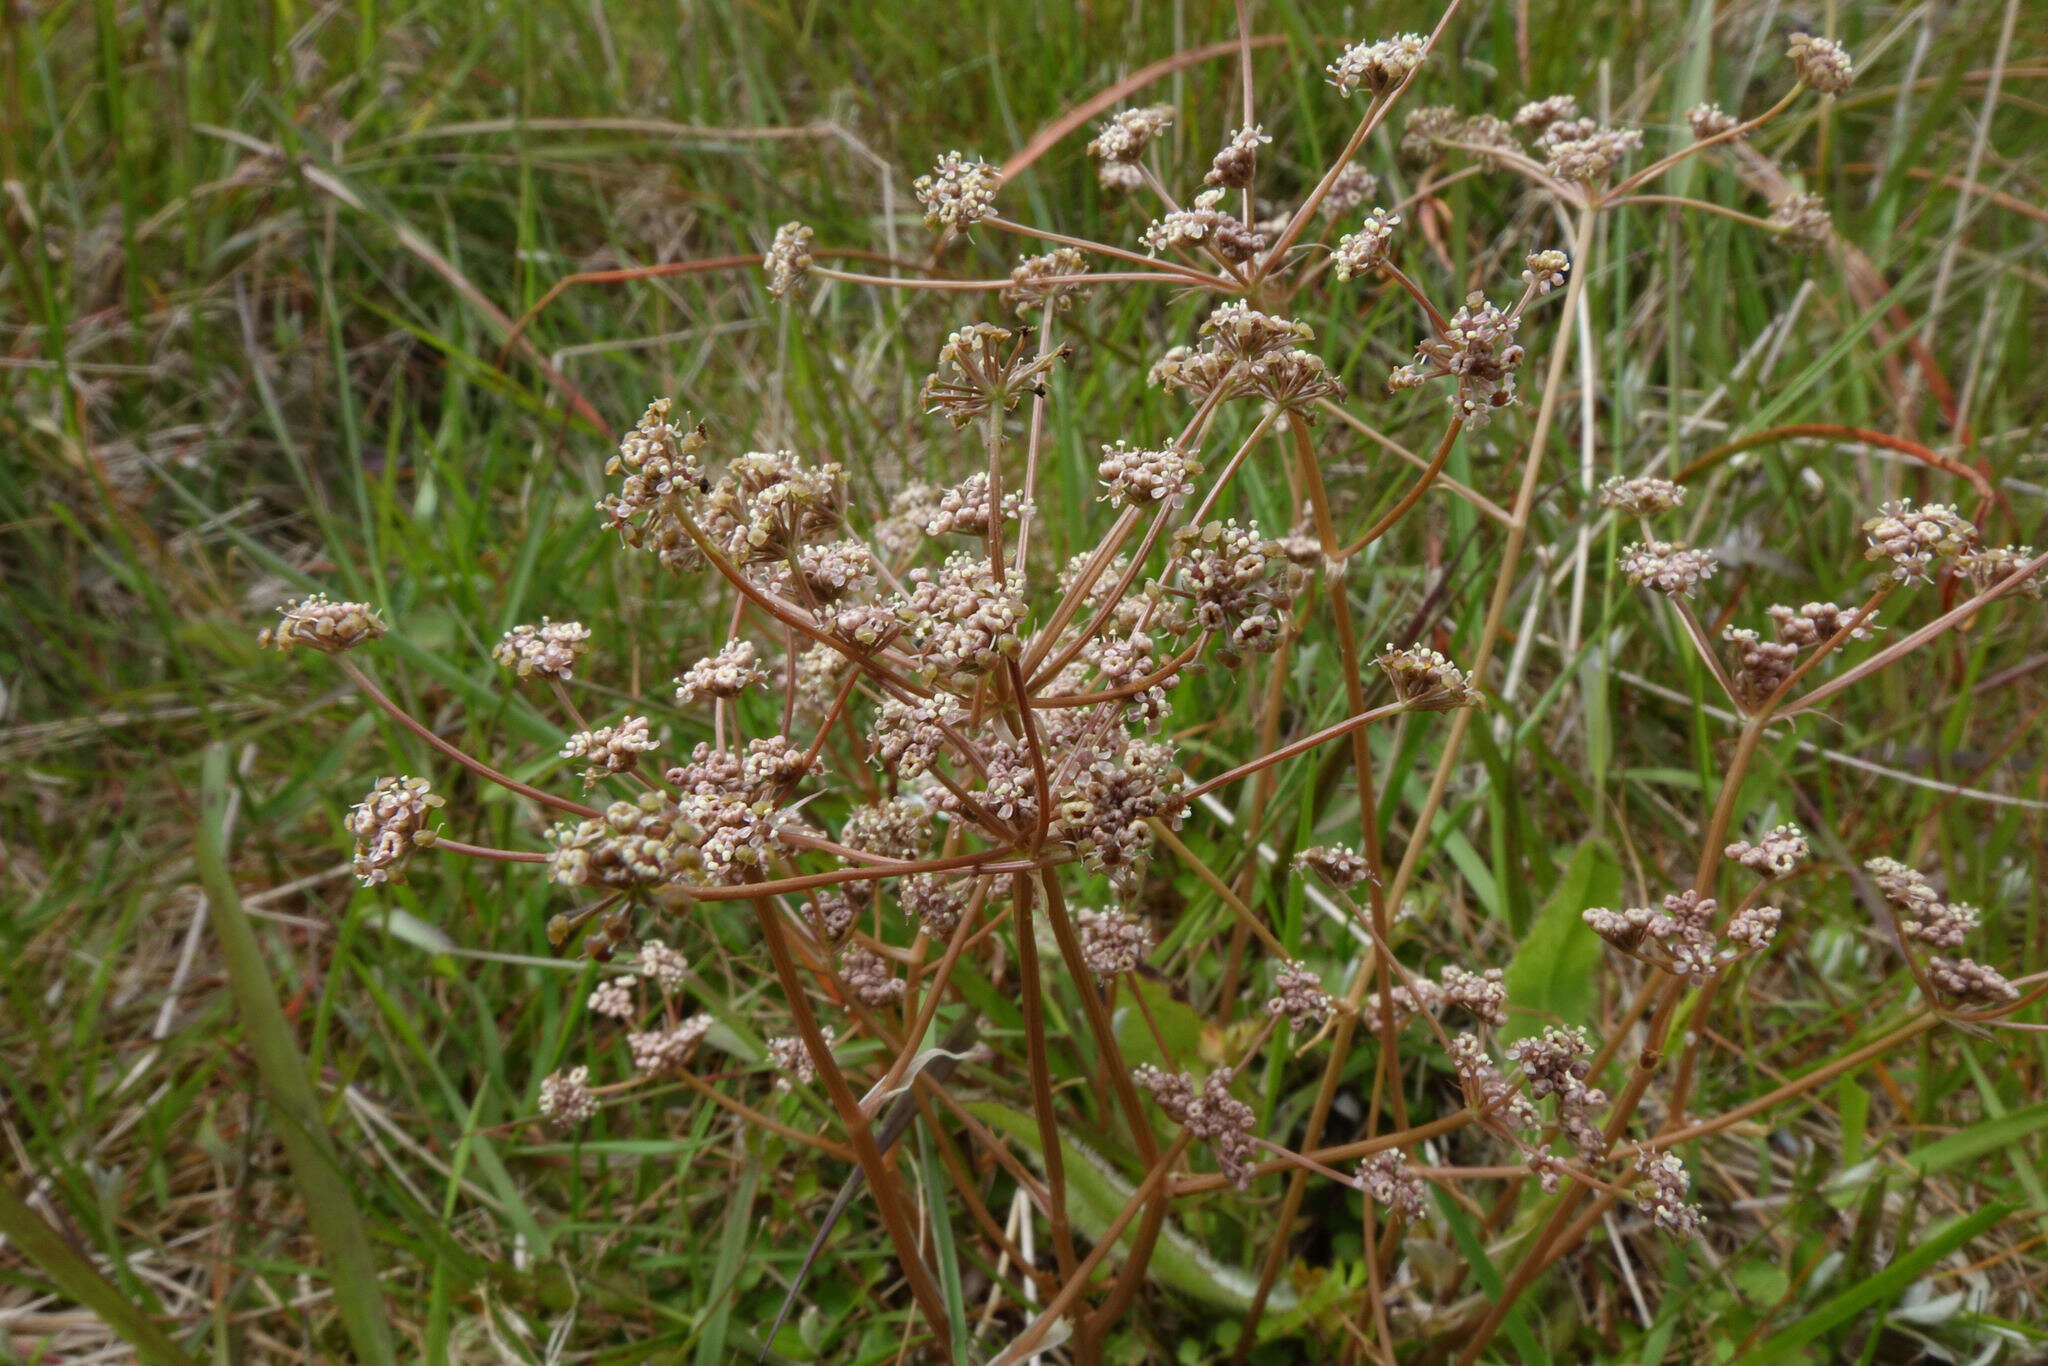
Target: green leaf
[
  {"x": 1552, "y": 974},
  {"x": 1096, "y": 1192},
  {"x": 1178, "y": 1024},
  {"x": 1874, "y": 1290}
]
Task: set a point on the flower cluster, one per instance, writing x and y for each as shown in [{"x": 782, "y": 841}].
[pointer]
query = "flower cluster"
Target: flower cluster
[
  {"x": 550, "y": 649},
  {"x": 959, "y": 192},
  {"x": 1209, "y": 1112},
  {"x": 980, "y": 372},
  {"x": 1917, "y": 538},
  {"x": 610, "y": 749},
  {"x": 1667, "y": 567},
  {"x": 1823, "y": 64},
  {"x": 725, "y": 675},
  {"x": 1680, "y": 937},
  {"x": 1663, "y": 1192},
  {"x": 1363, "y": 250},
  {"x": 1778, "y": 852},
  {"x": 1113, "y": 941},
  {"x": 388, "y": 825},
  {"x": 1338, "y": 866},
  {"x": 1557, "y": 1063},
  {"x": 1045, "y": 281},
  {"x": 1477, "y": 347},
  {"x": 1378, "y": 67},
  {"x": 1426, "y": 681},
  {"x": 1643, "y": 496},
  {"x": 1201, "y": 225},
  {"x": 1388, "y": 1180},
  {"x": 320, "y": 623},
  {"x": 788, "y": 262},
  {"x": 1139, "y": 478},
  {"x": 1298, "y": 994},
  {"x": 1235, "y": 165},
  {"x": 1762, "y": 666}
]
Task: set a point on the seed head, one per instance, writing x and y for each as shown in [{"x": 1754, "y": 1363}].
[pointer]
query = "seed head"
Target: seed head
[
  {"x": 1643, "y": 496},
  {"x": 1366, "y": 249},
  {"x": 960, "y": 192},
  {"x": 566, "y": 1098},
  {"x": 1822, "y": 64},
  {"x": 788, "y": 262},
  {"x": 1124, "y": 136},
  {"x": 320, "y": 623},
  {"x": 1667, "y": 567},
  {"x": 1233, "y": 167},
  {"x": 1378, "y": 66},
  {"x": 1427, "y": 681},
  {"x": 388, "y": 825},
  {"x": 550, "y": 649},
  {"x": 1042, "y": 281},
  {"x": 1708, "y": 121},
  {"x": 1915, "y": 539}
]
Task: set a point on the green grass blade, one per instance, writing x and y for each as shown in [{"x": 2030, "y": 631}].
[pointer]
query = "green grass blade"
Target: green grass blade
[
  {"x": 78, "y": 1279},
  {"x": 330, "y": 1204},
  {"x": 1875, "y": 1290}
]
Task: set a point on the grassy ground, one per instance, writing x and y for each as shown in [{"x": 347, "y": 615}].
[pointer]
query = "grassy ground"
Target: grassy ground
[{"x": 260, "y": 265}]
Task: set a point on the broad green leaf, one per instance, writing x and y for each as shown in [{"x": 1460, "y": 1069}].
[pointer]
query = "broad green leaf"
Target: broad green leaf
[
  {"x": 1096, "y": 1191},
  {"x": 1552, "y": 974}
]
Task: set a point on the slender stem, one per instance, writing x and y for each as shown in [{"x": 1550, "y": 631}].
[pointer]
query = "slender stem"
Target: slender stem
[
  {"x": 989, "y": 286},
  {"x": 1039, "y": 1063},
  {"x": 1187, "y": 274},
  {"x": 1703, "y": 206},
  {"x": 1412, "y": 497},
  {"x": 869, "y": 1157},
  {"x": 835, "y": 1150},
  {"x": 484, "y": 851},
  {"x": 1374, "y": 113},
  {"x": 1656, "y": 168},
  {"x": 1245, "y": 915},
  {"x": 476, "y": 766},
  {"x": 1292, "y": 748}
]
